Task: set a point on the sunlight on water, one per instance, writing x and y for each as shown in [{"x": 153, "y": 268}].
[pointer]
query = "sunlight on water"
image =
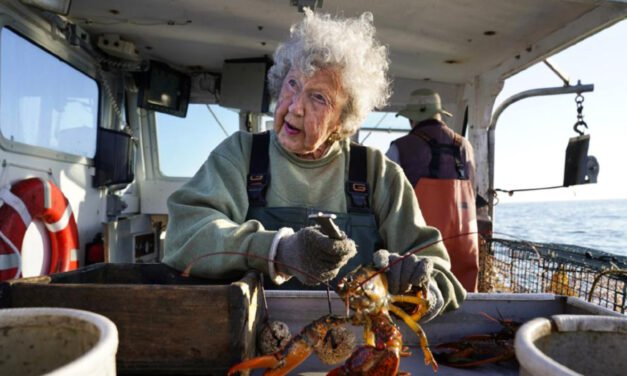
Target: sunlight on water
[{"x": 595, "y": 224}]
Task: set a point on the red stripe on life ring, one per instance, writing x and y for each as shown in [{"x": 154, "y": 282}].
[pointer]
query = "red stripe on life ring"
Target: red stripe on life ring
[{"x": 45, "y": 202}]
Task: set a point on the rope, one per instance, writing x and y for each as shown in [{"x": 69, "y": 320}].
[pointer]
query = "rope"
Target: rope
[
  {"x": 17, "y": 253},
  {"x": 8, "y": 197},
  {"x": 512, "y": 191}
]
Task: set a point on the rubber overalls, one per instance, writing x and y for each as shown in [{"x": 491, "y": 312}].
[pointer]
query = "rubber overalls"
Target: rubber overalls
[
  {"x": 448, "y": 205},
  {"x": 358, "y": 223}
]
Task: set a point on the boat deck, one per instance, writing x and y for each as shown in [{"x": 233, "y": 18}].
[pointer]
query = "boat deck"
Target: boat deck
[{"x": 299, "y": 308}]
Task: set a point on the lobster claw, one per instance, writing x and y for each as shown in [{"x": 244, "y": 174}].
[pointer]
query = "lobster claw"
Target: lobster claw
[
  {"x": 296, "y": 351},
  {"x": 277, "y": 364}
]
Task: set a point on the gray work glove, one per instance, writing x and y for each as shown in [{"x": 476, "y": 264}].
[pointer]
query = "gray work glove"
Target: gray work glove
[
  {"x": 315, "y": 254},
  {"x": 411, "y": 271}
]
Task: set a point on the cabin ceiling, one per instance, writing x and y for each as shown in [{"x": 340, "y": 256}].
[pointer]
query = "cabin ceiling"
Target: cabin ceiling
[{"x": 450, "y": 41}]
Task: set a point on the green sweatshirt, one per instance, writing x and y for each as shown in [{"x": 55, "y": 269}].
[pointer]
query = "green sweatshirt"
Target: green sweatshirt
[{"x": 208, "y": 213}]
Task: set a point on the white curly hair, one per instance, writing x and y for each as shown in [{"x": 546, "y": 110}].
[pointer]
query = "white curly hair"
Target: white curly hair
[{"x": 320, "y": 41}]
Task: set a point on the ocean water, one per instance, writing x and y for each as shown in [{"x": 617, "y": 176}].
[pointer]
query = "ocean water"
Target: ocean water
[{"x": 598, "y": 224}]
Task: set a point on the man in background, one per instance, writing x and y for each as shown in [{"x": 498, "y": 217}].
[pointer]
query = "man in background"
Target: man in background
[{"x": 440, "y": 165}]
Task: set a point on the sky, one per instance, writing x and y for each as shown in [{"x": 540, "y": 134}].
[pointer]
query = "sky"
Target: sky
[{"x": 531, "y": 135}]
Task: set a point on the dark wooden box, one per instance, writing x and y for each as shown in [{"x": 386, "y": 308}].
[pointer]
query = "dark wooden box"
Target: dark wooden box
[{"x": 167, "y": 324}]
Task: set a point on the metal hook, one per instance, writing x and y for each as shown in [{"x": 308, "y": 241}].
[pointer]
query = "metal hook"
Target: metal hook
[{"x": 579, "y": 101}]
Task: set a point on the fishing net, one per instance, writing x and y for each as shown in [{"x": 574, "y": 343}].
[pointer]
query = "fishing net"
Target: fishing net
[{"x": 526, "y": 267}]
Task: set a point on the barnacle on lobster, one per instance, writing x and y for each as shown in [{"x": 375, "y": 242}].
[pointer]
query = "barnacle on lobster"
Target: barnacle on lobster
[
  {"x": 298, "y": 349},
  {"x": 273, "y": 336},
  {"x": 366, "y": 293}
]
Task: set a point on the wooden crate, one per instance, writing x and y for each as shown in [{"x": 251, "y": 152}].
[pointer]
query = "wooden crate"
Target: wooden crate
[{"x": 168, "y": 324}]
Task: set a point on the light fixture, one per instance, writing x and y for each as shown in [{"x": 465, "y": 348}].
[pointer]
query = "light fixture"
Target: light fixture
[{"x": 55, "y": 6}]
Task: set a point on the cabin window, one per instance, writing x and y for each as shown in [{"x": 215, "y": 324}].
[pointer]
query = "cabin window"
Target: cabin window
[
  {"x": 185, "y": 143},
  {"x": 44, "y": 101},
  {"x": 381, "y": 128}
]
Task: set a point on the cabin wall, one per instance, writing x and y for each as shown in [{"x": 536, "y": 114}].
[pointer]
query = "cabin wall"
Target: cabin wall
[{"x": 93, "y": 208}]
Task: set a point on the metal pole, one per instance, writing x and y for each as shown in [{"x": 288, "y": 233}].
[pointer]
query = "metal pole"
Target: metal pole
[
  {"x": 579, "y": 88},
  {"x": 557, "y": 71},
  {"x": 388, "y": 130}
]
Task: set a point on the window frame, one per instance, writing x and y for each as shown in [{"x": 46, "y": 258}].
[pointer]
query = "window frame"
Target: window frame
[
  {"x": 157, "y": 173},
  {"x": 73, "y": 57}
]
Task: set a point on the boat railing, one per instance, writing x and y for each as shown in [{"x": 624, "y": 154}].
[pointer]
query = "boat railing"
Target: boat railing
[{"x": 515, "y": 266}]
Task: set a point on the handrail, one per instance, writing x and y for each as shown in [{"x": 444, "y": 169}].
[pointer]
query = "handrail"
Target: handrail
[{"x": 579, "y": 88}]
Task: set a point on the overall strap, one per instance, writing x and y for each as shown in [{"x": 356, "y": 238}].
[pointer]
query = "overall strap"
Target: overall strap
[
  {"x": 457, "y": 153},
  {"x": 357, "y": 184},
  {"x": 258, "y": 177},
  {"x": 438, "y": 149},
  {"x": 434, "y": 165}
]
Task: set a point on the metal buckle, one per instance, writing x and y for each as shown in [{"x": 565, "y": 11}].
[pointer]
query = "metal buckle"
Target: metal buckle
[
  {"x": 256, "y": 179},
  {"x": 256, "y": 187},
  {"x": 359, "y": 187},
  {"x": 358, "y": 193}
]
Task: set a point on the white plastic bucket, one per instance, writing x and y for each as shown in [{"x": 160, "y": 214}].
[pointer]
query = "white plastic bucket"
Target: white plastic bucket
[
  {"x": 56, "y": 341},
  {"x": 568, "y": 345}
]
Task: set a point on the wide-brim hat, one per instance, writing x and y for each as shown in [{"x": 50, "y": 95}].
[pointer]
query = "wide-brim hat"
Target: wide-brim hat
[{"x": 423, "y": 104}]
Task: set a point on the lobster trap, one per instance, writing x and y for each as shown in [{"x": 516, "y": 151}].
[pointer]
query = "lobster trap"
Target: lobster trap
[{"x": 525, "y": 267}]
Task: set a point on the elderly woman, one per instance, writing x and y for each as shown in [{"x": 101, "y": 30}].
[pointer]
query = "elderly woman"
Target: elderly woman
[{"x": 253, "y": 195}]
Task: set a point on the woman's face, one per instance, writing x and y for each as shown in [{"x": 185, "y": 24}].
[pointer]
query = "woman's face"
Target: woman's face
[{"x": 308, "y": 111}]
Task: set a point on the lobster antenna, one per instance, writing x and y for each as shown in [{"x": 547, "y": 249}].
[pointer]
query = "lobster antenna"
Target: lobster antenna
[
  {"x": 263, "y": 295},
  {"x": 500, "y": 314},
  {"x": 188, "y": 268},
  {"x": 329, "y": 299},
  {"x": 490, "y": 317},
  {"x": 407, "y": 254},
  {"x": 483, "y": 234}
]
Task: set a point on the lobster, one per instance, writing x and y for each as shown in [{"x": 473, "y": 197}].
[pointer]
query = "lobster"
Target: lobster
[
  {"x": 480, "y": 349},
  {"x": 365, "y": 292}
]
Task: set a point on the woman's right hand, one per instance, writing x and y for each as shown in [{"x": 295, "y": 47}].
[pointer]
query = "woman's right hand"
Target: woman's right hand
[{"x": 312, "y": 257}]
